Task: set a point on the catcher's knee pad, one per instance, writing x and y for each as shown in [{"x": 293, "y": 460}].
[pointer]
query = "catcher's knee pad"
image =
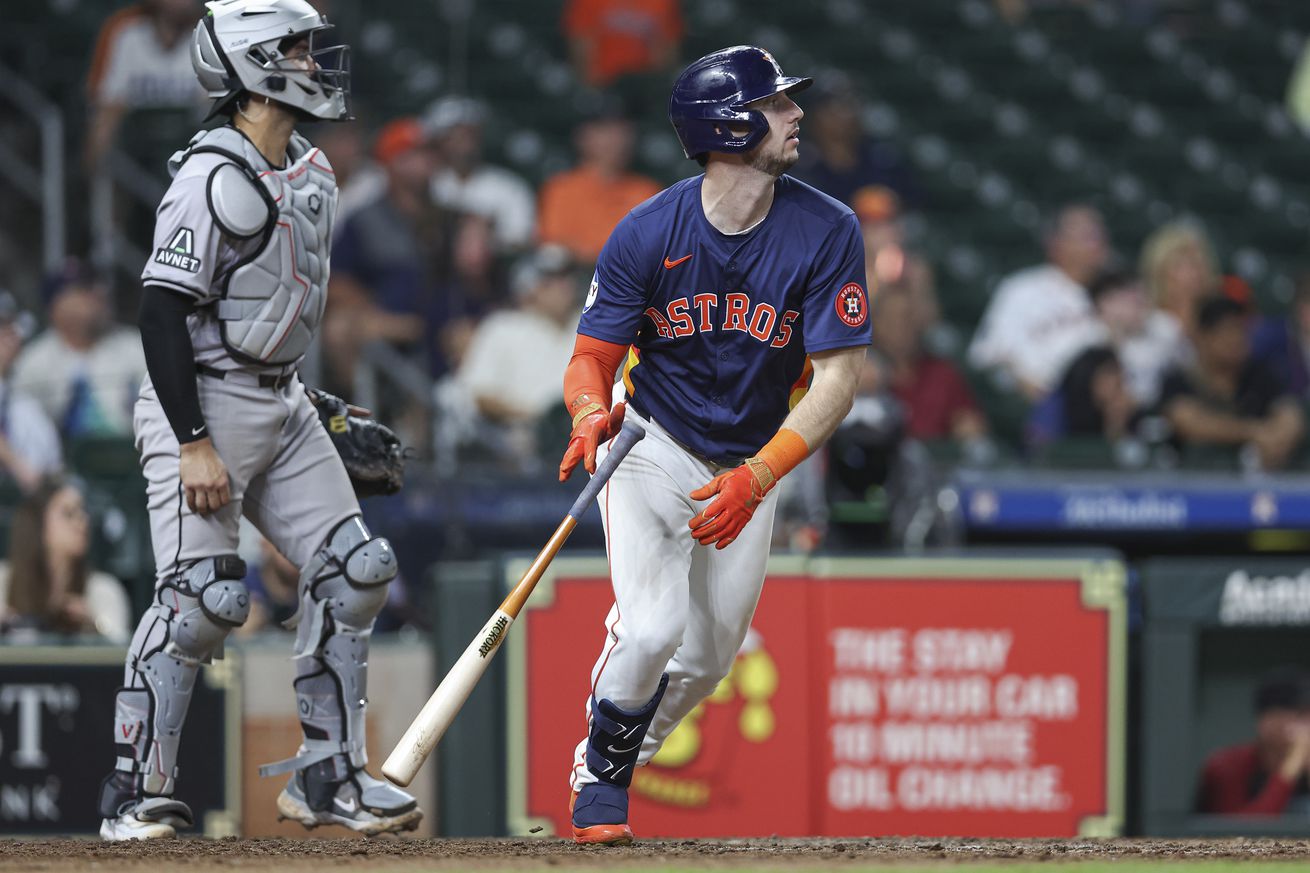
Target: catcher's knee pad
[
  {"x": 185, "y": 626},
  {"x": 347, "y": 578},
  {"x": 616, "y": 734},
  {"x": 342, "y": 590}
]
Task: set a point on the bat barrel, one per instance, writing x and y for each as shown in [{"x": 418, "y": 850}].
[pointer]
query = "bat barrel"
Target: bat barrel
[{"x": 440, "y": 710}]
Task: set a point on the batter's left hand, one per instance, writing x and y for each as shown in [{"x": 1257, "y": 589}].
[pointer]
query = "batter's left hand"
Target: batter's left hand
[{"x": 740, "y": 491}]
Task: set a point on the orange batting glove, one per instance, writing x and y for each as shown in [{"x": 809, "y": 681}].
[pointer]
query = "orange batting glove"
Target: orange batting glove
[
  {"x": 740, "y": 490},
  {"x": 592, "y": 425}
]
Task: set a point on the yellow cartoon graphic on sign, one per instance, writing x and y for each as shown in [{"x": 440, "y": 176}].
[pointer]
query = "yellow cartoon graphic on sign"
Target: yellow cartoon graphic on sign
[{"x": 684, "y": 770}]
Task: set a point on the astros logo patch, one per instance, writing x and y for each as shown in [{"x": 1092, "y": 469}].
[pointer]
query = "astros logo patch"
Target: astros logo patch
[{"x": 852, "y": 305}]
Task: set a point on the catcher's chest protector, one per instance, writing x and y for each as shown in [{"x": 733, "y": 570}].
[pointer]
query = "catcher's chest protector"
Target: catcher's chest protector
[{"x": 273, "y": 300}]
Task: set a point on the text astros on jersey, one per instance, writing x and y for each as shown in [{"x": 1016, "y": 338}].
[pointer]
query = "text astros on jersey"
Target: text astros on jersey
[{"x": 752, "y": 305}]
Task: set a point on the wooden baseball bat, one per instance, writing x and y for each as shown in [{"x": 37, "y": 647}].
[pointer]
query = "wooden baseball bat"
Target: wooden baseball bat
[{"x": 440, "y": 710}]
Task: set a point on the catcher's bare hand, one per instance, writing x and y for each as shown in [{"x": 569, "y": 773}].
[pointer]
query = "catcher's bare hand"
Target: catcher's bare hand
[{"x": 204, "y": 477}]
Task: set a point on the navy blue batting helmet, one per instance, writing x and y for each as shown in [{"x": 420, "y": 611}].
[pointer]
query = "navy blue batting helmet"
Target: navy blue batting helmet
[{"x": 713, "y": 92}]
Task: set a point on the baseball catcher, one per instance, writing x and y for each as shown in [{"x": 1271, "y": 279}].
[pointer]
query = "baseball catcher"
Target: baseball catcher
[{"x": 233, "y": 294}]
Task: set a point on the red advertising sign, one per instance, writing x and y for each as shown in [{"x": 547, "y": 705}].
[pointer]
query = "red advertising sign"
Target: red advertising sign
[{"x": 872, "y": 697}]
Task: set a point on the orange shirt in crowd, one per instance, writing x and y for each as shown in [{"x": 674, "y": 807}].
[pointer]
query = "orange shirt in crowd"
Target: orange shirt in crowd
[
  {"x": 580, "y": 207},
  {"x": 625, "y": 36}
]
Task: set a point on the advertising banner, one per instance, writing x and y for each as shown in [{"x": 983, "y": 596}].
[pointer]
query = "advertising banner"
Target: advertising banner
[
  {"x": 872, "y": 697},
  {"x": 56, "y": 740}
]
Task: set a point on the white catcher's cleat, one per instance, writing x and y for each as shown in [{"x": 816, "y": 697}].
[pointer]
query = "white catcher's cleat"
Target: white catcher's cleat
[
  {"x": 360, "y": 803},
  {"x": 154, "y": 818}
]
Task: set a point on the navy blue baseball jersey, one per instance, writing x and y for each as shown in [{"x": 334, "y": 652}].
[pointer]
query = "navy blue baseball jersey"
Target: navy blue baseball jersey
[{"x": 720, "y": 324}]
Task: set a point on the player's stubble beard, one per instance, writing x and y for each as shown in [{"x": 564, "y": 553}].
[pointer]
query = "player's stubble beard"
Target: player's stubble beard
[{"x": 771, "y": 164}]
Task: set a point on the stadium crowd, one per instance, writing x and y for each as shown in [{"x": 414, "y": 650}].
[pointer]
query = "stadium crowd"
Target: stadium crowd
[{"x": 471, "y": 282}]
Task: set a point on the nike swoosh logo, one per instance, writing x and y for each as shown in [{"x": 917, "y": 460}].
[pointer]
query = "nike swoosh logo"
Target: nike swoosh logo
[
  {"x": 348, "y": 807},
  {"x": 197, "y": 431},
  {"x": 622, "y": 751},
  {"x": 669, "y": 265}
]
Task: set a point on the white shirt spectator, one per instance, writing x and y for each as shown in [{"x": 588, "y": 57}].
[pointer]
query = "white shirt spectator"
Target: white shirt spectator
[
  {"x": 28, "y": 431},
  {"x": 493, "y": 193},
  {"x": 1037, "y": 321},
  {"x": 1145, "y": 356},
  {"x": 518, "y": 356},
  {"x": 139, "y": 72},
  {"x": 107, "y": 378}
]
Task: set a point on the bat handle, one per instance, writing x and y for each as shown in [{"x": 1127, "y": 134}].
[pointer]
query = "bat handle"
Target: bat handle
[{"x": 629, "y": 435}]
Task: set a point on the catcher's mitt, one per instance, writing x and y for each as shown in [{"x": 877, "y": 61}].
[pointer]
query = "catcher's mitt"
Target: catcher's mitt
[{"x": 371, "y": 451}]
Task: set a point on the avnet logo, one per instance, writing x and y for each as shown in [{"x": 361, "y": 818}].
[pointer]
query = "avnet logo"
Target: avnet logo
[{"x": 1265, "y": 600}]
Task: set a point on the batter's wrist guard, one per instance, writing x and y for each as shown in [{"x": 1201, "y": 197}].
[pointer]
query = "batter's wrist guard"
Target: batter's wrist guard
[
  {"x": 763, "y": 474},
  {"x": 614, "y": 741},
  {"x": 585, "y": 411}
]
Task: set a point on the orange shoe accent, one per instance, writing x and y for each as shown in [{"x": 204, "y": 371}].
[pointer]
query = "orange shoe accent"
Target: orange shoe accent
[
  {"x": 599, "y": 835},
  {"x": 603, "y": 835}
]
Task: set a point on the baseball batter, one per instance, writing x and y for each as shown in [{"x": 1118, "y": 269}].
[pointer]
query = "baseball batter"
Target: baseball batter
[
  {"x": 234, "y": 291},
  {"x": 724, "y": 297}
]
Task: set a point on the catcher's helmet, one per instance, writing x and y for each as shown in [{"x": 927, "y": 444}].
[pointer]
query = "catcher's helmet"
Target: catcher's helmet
[
  {"x": 236, "y": 48},
  {"x": 713, "y": 92}
]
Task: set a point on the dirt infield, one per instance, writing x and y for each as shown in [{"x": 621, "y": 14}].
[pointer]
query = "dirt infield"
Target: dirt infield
[{"x": 279, "y": 855}]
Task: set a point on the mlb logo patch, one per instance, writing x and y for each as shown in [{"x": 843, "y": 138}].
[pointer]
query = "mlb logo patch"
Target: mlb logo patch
[{"x": 852, "y": 304}]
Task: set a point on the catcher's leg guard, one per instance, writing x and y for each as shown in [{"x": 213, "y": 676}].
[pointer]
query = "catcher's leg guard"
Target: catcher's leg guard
[
  {"x": 342, "y": 590},
  {"x": 600, "y": 809},
  {"x": 185, "y": 627}
]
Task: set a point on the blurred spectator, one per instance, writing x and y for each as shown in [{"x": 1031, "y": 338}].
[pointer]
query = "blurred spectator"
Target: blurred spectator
[
  {"x": 84, "y": 370},
  {"x": 613, "y": 38},
  {"x": 580, "y": 207},
  {"x": 1041, "y": 317},
  {"x": 935, "y": 397},
  {"x": 392, "y": 264},
  {"x": 864, "y": 451},
  {"x": 1298, "y": 89},
  {"x": 839, "y": 157},
  {"x": 1283, "y": 344},
  {"x": 29, "y": 443},
  {"x": 515, "y": 360},
  {"x": 463, "y": 183},
  {"x": 360, "y": 180},
  {"x": 1180, "y": 269},
  {"x": 879, "y": 210},
  {"x": 46, "y": 585},
  {"x": 1145, "y": 340},
  {"x": 1092, "y": 400},
  {"x": 142, "y": 60},
  {"x": 274, "y": 584},
  {"x": 1228, "y": 399},
  {"x": 1266, "y": 776},
  {"x": 888, "y": 261}
]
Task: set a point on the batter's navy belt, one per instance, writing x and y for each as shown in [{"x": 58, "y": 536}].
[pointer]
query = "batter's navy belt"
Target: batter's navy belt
[
  {"x": 721, "y": 463},
  {"x": 264, "y": 380}
]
